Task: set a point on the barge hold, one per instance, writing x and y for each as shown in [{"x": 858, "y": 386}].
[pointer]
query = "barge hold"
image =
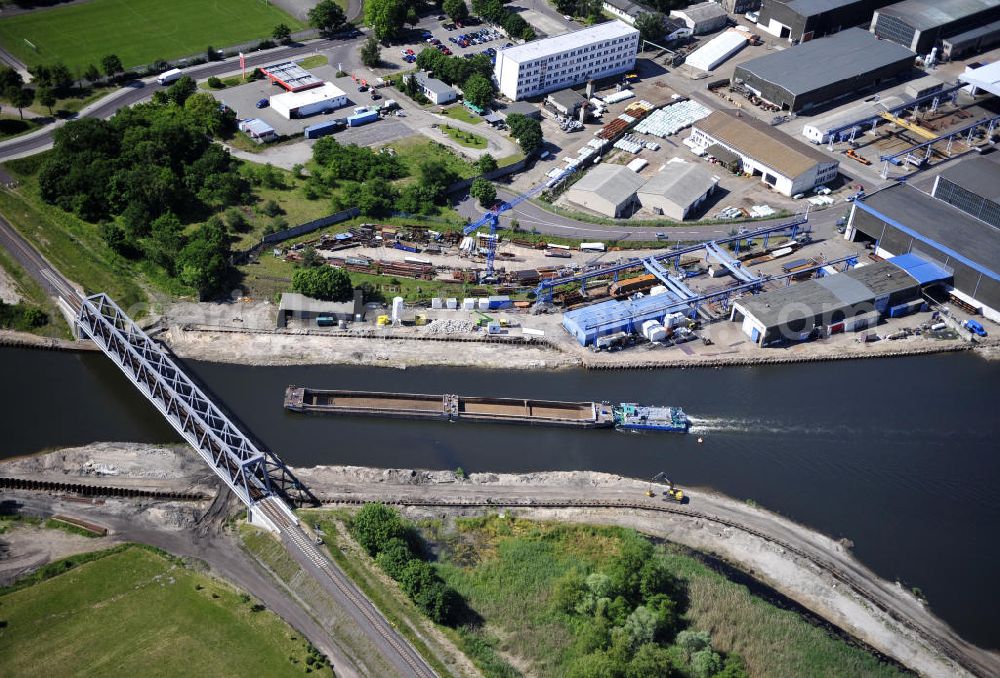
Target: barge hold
[{"x": 450, "y": 407}]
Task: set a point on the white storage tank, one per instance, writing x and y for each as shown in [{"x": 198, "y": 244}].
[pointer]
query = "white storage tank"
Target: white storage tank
[
  {"x": 468, "y": 304},
  {"x": 437, "y": 303},
  {"x": 451, "y": 302},
  {"x": 483, "y": 303},
  {"x": 397, "y": 309}
]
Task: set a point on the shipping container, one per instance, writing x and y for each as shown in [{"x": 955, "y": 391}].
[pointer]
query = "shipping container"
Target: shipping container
[
  {"x": 592, "y": 247},
  {"x": 498, "y": 302},
  {"x": 326, "y": 321},
  {"x": 451, "y": 303},
  {"x": 406, "y": 246},
  {"x": 359, "y": 119},
  {"x": 324, "y": 128}
]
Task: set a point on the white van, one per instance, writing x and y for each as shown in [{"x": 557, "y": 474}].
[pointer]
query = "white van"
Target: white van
[{"x": 169, "y": 76}]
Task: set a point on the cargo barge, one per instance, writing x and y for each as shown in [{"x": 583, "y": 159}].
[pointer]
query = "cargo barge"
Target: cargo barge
[{"x": 448, "y": 407}]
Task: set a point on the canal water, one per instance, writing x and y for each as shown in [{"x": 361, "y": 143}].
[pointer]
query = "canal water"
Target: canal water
[{"x": 898, "y": 455}]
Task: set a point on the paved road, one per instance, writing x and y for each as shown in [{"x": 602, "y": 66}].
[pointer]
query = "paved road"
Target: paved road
[
  {"x": 338, "y": 50},
  {"x": 532, "y": 216}
]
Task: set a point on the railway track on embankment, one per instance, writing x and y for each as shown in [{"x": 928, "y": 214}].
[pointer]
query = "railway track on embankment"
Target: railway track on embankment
[{"x": 966, "y": 656}]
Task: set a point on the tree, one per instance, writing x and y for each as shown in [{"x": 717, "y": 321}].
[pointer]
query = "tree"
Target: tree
[
  {"x": 650, "y": 26},
  {"x": 527, "y": 131},
  {"x": 327, "y": 17},
  {"x": 705, "y": 663},
  {"x": 385, "y": 17},
  {"x": 112, "y": 65},
  {"x": 282, "y": 33},
  {"x": 271, "y": 208},
  {"x": 9, "y": 78},
  {"x": 486, "y": 163},
  {"x": 371, "y": 52},
  {"x": 236, "y": 220},
  {"x": 92, "y": 74},
  {"x": 650, "y": 660},
  {"x": 478, "y": 90},
  {"x": 641, "y": 626},
  {"x": 693, "y": 641},
  {"x": 165, "y": 241},
  {"x": 47, "y": 98},
  {"x": 456, "y": 9},
  {"x": 483, "y": 191},
  {"x": 311, "y": 258},
  {"x": 179, "y": 92},
  {"x": 376, "y": 197},
  {"x": 394, "y": 557},
  {"x": 203, "y": 263},
  {"x": 20, "y": 98},
  {"x": 376, "y": 524},
  {"x": 323, "y": 282}
]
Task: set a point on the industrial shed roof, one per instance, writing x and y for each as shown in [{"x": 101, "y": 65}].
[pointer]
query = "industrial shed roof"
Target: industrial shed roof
[
  {"x": 680, "y": 183},
  {"x": 826, "y": 295},
  {"x": 925, "y": 14},
  {"x": 615, "y": 183},
  {"x": 557, "y": 44},
  {"x": 762, "y": 142},
  {"x": 818, "y": 63},
  {"x": 614, "y": 313},
  {"x": 920, "y": 269},
  {"x": 980, "y": 175},
  {"x": 291, "y": 76},
  {"x": 949, "y": 229},
  {"x": 814, "y": 7},
  {"x": 703, "y": 11}
]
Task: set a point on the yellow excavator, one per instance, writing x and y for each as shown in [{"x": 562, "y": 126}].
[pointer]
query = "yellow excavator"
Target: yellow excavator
[{"x": 672, "y": 492}]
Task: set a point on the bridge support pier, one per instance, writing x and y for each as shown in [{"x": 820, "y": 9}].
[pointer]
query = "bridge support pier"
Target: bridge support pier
[{"x": 255, "y": 516}]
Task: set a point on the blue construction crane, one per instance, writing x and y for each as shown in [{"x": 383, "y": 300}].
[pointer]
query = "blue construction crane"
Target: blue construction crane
[{"x": 492, "y": 218}]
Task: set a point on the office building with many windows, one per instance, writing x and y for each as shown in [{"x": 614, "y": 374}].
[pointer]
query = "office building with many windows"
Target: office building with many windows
[{"x": 562, "y": 61}]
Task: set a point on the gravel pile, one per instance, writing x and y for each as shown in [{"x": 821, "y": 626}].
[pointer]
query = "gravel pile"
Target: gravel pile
[{"x": 441, "y": 326}]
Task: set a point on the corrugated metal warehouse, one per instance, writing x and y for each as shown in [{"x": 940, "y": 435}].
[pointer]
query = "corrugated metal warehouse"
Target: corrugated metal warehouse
[
  {"x": 920, "y": 24},
  {"x": 782, "y": 162},
  {"x": 802, "y": 20},
  {"x": 821, "y": 71},
  {"x": 677, "y": 190},
  {"x": 608, "y": 317},
  {"x": 902, "y": 219},
  {"x": 606, "y": 189},
  {"x": 702, "y": 18},
  {"x": 841, "y": 302}
]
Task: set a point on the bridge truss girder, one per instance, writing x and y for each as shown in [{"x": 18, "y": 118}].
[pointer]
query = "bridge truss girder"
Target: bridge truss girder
[{"x": 251, "y": 474}]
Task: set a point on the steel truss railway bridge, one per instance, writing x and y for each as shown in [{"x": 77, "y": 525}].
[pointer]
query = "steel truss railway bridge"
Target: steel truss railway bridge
[{"x": 257, "y": 476}]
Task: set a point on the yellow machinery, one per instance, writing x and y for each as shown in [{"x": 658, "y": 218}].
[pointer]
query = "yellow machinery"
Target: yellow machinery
[
  {"x": 420, "y": 320},
  {"x": 382, "y": 321},
  {"x": 672, "y": 492},
  {"x": 912, "y": 126}
]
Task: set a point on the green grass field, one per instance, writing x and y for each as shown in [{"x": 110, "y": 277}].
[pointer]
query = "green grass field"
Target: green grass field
[
  {"x": 136, "y": 612},
  {"x": 138, "y": 31}
]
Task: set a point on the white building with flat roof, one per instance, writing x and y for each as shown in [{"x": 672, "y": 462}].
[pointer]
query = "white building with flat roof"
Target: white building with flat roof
[
  {"x": 565, "y": 60},
  {"x": 323, "y": 99}
]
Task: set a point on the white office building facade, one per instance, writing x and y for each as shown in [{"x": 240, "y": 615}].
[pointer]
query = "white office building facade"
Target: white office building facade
[{"x": 566, "y": 60}]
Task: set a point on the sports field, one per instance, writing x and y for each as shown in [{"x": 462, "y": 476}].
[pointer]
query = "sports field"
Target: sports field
[
  {"x": 136, "y": 613},
  {"x": 138, "y": 31}
]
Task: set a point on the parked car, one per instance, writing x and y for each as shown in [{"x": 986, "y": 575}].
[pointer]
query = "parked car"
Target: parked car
[{"x": 263, "y": 103}]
